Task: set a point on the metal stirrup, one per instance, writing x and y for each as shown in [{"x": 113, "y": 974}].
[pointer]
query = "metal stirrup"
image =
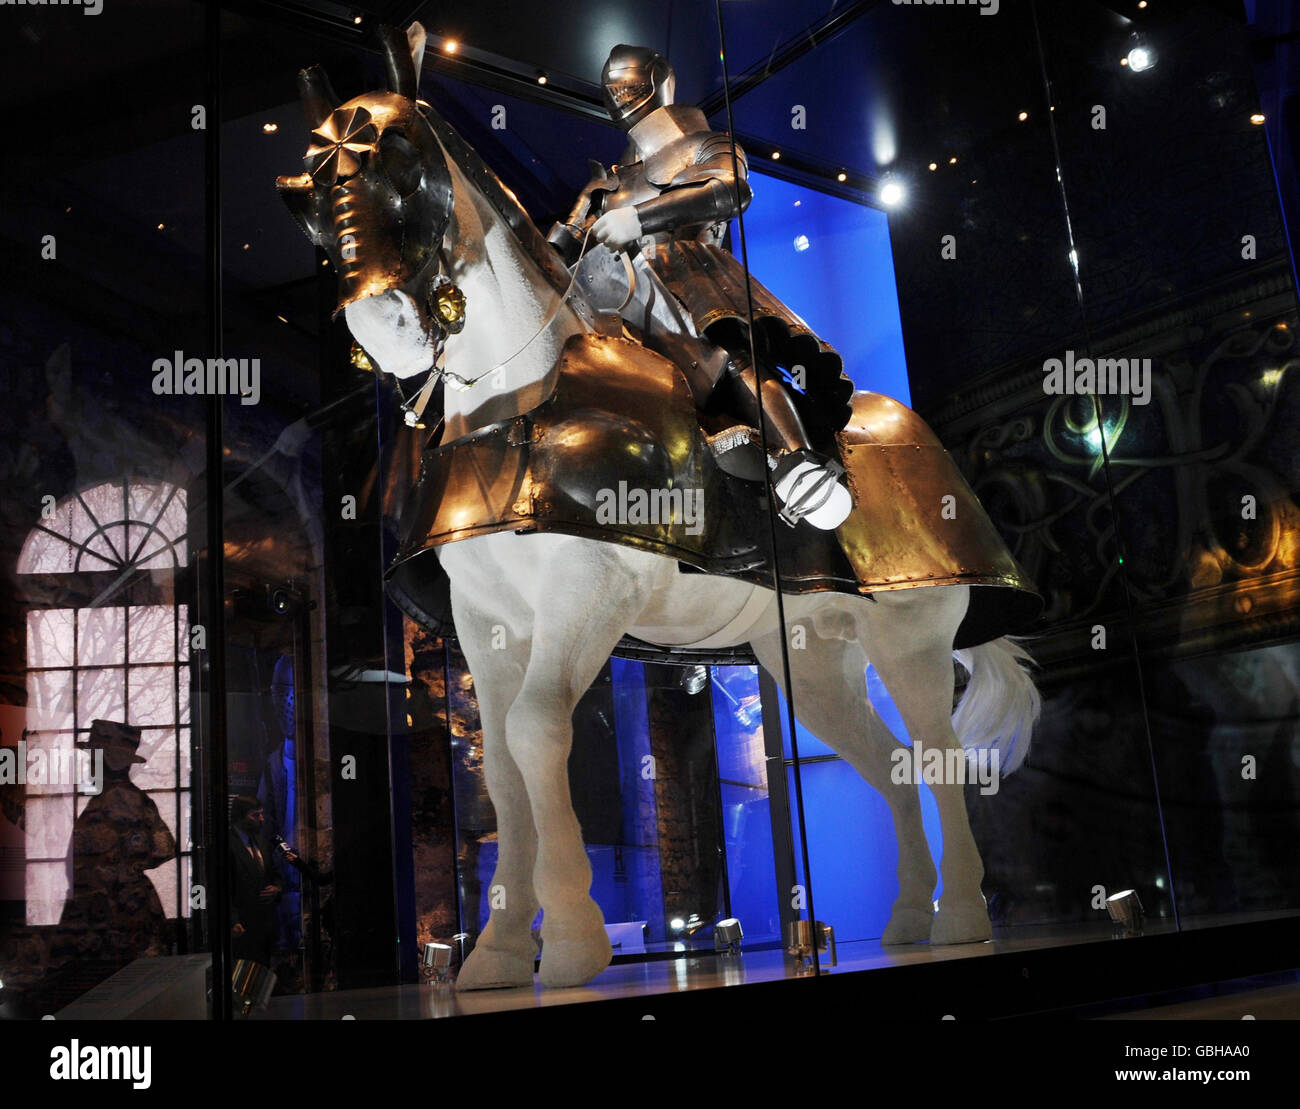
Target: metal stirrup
[{"x": 798, "y": 506}]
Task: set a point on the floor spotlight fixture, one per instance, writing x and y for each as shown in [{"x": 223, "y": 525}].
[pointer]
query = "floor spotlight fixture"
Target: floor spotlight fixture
[
  {"x": 802, "y": 936},
  {"x": 435, "y": 962},
  {"x": 251, "y": 983},
  {"x": 1126, "y": 915},
  {"x": 727, "y": 935}
]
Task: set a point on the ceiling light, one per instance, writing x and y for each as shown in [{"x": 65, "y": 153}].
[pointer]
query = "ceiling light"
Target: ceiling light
[
  {"x": 1141, "y": 58},
  {"x": 892, "y": 194}
]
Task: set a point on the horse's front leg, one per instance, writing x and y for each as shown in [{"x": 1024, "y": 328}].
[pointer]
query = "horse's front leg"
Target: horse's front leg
[
  {"x": 590, "y": 597},
  {"x": 505, "y": 951}
]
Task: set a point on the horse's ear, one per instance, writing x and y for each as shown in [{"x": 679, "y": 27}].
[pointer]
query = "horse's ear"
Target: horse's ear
[
  {"x": 402, "y": 76},
  {"x": 415, "y": 38},
  {"x": 299, "y": 196},
  {"x": 318, "y": 97}
]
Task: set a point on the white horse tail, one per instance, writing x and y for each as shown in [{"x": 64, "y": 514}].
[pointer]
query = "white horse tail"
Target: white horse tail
[{"x": 1000, "y": 704}]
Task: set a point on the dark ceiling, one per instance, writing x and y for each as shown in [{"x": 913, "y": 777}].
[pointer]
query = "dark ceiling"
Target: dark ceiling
[{"x": 884, "y": 89}]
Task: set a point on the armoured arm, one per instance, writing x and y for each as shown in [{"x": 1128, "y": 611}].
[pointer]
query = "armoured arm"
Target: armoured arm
[
  {"x": 703, "y": 193},
  {"x": 566, "y": 235}
]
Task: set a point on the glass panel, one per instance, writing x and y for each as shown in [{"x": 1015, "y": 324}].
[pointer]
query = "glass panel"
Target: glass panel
[
  {"x": 49, "y": 698},
  {"x": 90, "y": 450},
  {"x": 907, "y": 207},
  {"x": 100, "y": 695},
  {"x": 100, "y": 636},
  {"x": 1188, "y": 284},
  {"x": 50, "y": 639},
  {"x": 154, "y": 634}
]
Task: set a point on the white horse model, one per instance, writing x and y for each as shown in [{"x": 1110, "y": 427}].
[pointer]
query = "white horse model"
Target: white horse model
[{"x": 565, "y": 602}]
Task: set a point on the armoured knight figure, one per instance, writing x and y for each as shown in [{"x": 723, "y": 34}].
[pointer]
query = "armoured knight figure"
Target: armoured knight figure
[{"x": 667, "y": 206}]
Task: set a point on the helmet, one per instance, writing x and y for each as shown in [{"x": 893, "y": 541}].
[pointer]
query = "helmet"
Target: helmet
[{"x": 635, "y": 81}]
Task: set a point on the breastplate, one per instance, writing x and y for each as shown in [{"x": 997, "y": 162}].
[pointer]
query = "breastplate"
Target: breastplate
[{"x": 663, "y": 152}]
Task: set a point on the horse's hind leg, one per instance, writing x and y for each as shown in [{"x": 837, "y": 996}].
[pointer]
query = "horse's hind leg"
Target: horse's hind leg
[
  {"x": 831, "y": 701},
  {"x": 505, "y": 951},
  {"x": 909, "y": 635}
]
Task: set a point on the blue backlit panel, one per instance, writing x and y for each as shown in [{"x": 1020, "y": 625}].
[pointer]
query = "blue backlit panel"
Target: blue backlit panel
[{"x": 830, "y": 261}]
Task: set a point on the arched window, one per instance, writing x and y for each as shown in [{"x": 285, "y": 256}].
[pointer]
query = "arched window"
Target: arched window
[{"x": 106, "y": 639}]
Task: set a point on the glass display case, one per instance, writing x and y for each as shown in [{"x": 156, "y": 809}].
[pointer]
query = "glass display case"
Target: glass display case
[{"x": 813, "y": 499}]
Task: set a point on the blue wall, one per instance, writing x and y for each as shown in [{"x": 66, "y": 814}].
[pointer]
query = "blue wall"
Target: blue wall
[{"x": 842, "y": 284}]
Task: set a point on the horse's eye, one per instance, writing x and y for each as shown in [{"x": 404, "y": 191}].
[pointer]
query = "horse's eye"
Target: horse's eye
[{"x": 401, "y": 161}]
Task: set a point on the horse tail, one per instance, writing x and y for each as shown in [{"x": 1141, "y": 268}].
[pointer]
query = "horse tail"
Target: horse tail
[{"x": 1000, "y": 705}]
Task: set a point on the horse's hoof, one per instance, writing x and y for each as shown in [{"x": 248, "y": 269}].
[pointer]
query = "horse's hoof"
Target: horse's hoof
[
  {"x": 966, "y": 924},
  {"x": 574, "y": 957},
  {"x": 490, "y": 968},
  {"x": 908, "y": 925}
]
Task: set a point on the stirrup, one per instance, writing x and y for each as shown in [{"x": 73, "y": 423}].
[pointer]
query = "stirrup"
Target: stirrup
[{"x": 814, "y": 493}]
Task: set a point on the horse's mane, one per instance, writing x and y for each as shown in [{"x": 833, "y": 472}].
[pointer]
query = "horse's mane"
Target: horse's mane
[{"x": 501, "y": 198}]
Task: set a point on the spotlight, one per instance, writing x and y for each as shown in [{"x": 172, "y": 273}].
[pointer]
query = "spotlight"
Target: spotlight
[
  {"x": 801, "y": 936},
  {"x": 435, "y": 962},
  {"x": 450, "y": 46},
  {"x": 934, "y": 166},
  {"x": 801, "y": 243},
  {"x": 1257, "y": 118},
  {"x": 892, "y": 194},
  {"x": 1023, "y": 116},
  {"x": 251, "y": 984},
  {"x": 727, "y": 935},
  {"x": 841, "y": 177},
  {"x": 677, "y": 924},
  {"x": 953, "y": 160},
  {"x": 270, "y": 128},
  {"x": 776, "y": 155},
  {"x": 541, "y": 77},
  {"x": 356, "y": 18},
  {"x": 1140, "y": 59},
  {"x": 1126, "y": 914}
]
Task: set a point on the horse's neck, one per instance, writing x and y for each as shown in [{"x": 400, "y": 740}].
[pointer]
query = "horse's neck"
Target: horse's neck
[{"x": 507, "y": 299}]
